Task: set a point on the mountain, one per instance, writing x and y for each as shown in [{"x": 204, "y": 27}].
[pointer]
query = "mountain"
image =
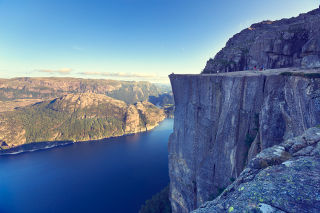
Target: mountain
[
  {"x": 76, "y": 117},
  {"x": 285, "y": 43},
  {"x": 249, "y": 141},
  {"x": 46, "y": 88}
]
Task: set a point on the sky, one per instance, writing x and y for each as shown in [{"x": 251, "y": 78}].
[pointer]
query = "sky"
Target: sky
[{"x": 125, "y": 39}]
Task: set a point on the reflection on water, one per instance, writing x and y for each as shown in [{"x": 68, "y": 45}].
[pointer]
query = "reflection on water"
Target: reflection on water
[
  {"x": 87, "y": 177},
  {"x": 134, "y": 138}
]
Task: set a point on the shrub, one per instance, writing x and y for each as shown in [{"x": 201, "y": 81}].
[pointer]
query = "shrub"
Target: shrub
[{"x": 159, "y": 203}]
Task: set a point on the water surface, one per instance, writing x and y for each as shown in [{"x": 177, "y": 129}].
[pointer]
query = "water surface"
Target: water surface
[{"x": 112, "y": 175}]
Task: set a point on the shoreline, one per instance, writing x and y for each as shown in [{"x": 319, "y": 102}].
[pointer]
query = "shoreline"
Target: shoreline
[{"x": 37, "y": 146}]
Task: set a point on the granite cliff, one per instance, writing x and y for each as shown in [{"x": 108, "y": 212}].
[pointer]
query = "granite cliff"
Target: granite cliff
[
  {"x": 293, "y": 42},
  {"x": 222, "y": 121},
  {"x": 76, "y": 117}
]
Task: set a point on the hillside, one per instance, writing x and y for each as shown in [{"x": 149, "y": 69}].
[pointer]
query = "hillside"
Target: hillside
[
  {"x": 285, "y": 43},
  {"x": 77, "y": 117},
  {"x": 46, "y": 88}
]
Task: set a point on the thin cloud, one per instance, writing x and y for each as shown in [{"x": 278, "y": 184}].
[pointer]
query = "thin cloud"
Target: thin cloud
[
  {"x": 63, "y": 71},
  {"x": 76, "y": 47},
  {"x": 128, "y": 76},
  {"x": 121, "y": 74}
]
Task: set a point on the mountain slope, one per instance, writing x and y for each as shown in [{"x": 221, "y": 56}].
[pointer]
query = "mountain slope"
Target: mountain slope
[
  {"x": 46, "y": 88},
  {"x": 77, "y": 117}
]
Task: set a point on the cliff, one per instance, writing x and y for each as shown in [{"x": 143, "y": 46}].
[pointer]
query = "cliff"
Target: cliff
[
  {"x": 283, "y": 178},
  {"x": 290, "y": 42},
  {"x": 76, "y": 117},
  {"x": 222, "y": 121}
]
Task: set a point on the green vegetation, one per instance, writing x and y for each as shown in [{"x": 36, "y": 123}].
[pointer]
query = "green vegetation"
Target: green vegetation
[
  {"x": 132, "y": 92},
  {"x": 127, "y": 91},
  {"x": 159, "y": 203},
  {"x": 68, "y": 118},
  {"x": 169, "y": 110},
  {"x": 42, "y": 123}
]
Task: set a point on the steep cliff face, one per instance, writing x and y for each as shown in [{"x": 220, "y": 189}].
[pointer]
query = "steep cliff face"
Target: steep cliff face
[
  {"x": 290, "y": 42},
  {"x": 221, "y": 120}
]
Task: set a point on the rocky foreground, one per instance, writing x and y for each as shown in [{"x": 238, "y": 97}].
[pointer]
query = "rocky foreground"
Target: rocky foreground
[
  {"x": 76, "y": 117},
  {"x": 283, "y": 178}
]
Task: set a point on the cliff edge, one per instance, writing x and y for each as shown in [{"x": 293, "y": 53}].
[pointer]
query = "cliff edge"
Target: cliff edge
[{"x": 222, "y": 121}]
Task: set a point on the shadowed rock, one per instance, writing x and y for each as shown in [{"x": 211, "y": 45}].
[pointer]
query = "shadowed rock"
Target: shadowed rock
[{"x": 290, "y": 184}]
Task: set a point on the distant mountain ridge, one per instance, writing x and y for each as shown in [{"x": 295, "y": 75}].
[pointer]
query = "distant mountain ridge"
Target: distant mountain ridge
[
  {"x": 293, "y": 42},
  {"x": 46, "y": 88}
]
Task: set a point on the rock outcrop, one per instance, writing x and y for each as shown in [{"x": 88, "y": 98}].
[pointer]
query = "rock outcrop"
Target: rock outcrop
[
  {"x": 283, "y": 178},
  {"x": 293, "y": 42},
  {"x": 222, "y": 121}
]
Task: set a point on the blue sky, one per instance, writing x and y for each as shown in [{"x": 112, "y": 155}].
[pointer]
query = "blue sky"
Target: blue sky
[{"x": 125, "y": 39}]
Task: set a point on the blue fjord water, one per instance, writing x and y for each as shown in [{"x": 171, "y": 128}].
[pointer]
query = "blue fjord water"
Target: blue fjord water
[{"x": 112, "y": 175}]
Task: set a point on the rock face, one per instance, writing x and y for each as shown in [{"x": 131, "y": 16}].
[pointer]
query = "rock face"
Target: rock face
[
  {"x": 290, "y": 42},
  {"x": 283, "y": 178},
  {"x": 223, "y": 119}
]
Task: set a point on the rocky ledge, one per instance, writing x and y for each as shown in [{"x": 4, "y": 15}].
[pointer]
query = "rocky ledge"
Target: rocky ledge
[{"x": 283, "y": 178}]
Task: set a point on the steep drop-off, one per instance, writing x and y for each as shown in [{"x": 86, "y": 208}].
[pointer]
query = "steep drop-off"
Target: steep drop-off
[
  {"x": 76, "y": 117},
  {"x": 290, "y": 42},
  {"x": 223, "y": 120}
]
